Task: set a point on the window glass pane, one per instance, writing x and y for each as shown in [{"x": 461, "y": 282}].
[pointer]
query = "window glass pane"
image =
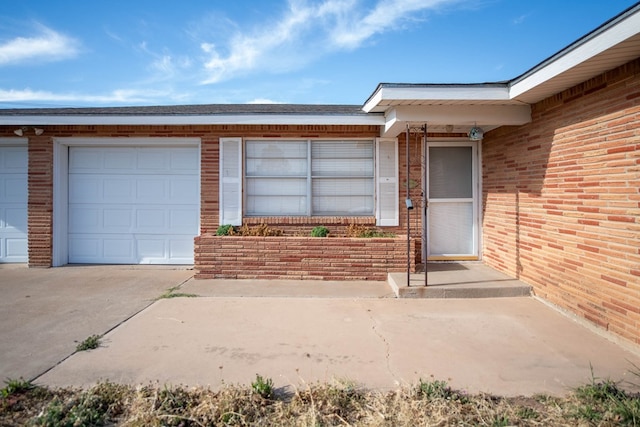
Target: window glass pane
[
  {"x": 450, "y": 172},
  {"x": 342, "y": 158},
  {"x": 343, "y": 196},
  {"x": 274, "y": 196},
  {"x": 276, "y": 158}
]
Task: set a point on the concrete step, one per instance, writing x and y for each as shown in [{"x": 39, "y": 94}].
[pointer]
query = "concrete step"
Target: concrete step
[{"x": 458, "y": 280}]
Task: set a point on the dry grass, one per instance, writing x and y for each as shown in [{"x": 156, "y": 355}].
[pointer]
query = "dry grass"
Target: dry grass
[{"x": 429, "y": 403}]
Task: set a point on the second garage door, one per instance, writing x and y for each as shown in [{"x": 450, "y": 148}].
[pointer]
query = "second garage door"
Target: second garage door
[
  {"x": 133, "y": 205},
  {"x": 13, "y": 203}
]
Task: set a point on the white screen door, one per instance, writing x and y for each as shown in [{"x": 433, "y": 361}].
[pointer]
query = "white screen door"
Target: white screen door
[{"x": 452, "y": 214}]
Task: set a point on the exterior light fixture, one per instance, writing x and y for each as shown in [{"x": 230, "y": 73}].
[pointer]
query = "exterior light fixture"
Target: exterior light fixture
[
  {"x": 23, "y": 129},
  {"x": 476, "y": 133}
]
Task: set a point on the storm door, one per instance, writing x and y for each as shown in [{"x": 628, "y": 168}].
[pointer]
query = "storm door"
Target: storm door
[{"x": 452, "y": 221}]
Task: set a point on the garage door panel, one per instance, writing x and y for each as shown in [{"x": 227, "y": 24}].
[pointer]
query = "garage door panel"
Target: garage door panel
[
  {"x": 182, "y": 220},
  {"x": 184, "y": 161},
  {"x": 150, "y": 220},
  {"x": 183, "y": 190},
  {"x": 118, "y": 160},
  {"x": 15, "y": 248},
  {"x": 181, "y": 249},
  {"x": 152, "y": 189},
  {"x": 14, "y": 219},
  {"x": 14, "y": 159},
  {"x": 83, "y": 218},
  {"x": 117, "y": 220},
  {"x": 84, "y": 160},
  {"x": 139, "y": 205},
  {"x": 123, "y": 249},
  {"x": 13, "y": 203},
  {"x": 145, "y": 160},
  {"x": 153, "y": 160},
  {"x": 12, "y": 188},
  {"x": 116, "y": 190},
  {"x": 81, "y": 186}
]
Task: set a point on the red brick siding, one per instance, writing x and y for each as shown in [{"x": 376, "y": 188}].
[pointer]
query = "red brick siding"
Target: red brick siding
[
  {"x": 40, "y": 201},
  {"x": 329, "y": 258},
  {"x": 40, "y": 217},
  {"x": 561, "y": 200}
]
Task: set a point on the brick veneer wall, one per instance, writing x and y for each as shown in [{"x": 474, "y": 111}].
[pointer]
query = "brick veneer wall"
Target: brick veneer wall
[
  {"x": 40, "y": 181},
  {"x": 561, "y": 200},
  {"x": 238, "y": 257}
]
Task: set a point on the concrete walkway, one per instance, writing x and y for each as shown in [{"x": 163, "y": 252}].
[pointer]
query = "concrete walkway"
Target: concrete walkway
[{"x": 297, "y": 333}]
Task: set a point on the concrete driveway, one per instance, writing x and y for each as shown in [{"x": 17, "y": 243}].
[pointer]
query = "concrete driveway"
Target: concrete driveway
[
  {"x": 293, "y": 332},
  {"x": 44, "y": 313}
]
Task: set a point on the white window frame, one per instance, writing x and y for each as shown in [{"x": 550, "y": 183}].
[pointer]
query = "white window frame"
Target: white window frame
[{"x": 309, "y": 178}]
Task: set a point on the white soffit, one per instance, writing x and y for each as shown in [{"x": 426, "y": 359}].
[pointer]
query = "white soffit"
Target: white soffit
[
  {"x": 461, "y": 117},
  {"x": 610, "y": 46}
]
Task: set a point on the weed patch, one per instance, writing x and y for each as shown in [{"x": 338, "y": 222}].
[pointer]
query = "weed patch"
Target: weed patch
[
  {"x": 90, "y": 343},
  {"x": 430, "y": 402},
  {"x": 171, "y": 293}
]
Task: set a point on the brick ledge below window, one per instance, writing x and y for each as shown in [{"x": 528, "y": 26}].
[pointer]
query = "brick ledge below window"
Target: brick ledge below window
[{"x": 310, "y": 220}]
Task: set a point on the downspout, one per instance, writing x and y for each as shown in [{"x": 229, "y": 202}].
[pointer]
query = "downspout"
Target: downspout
[
  {"x": 409, "y": 207},
  {"x": 425, "y": 204}
]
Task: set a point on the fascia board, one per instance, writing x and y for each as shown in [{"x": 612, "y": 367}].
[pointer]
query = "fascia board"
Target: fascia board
[
  {"x": 438, "y": 93},
  {"x": 249, "y": 119},
  {"x": 590, "y": 48}
]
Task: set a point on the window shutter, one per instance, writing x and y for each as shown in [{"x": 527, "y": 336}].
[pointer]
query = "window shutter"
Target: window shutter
[
  {"x": 230, "y": 181},
  {"x": 387, "y": 210}
]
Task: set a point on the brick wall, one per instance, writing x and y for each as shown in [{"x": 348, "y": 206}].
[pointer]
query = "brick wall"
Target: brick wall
[
  {"x": 328, "y": 258},
  {"x": 40, "y": 201},
  {"x": 40, "y": 217},
  {"x": 561, "y": 200}
]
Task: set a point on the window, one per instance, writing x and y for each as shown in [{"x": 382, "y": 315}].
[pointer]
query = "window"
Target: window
[
  {"x": 304, "y": 178},
  {"x": 309, "y": 178}
]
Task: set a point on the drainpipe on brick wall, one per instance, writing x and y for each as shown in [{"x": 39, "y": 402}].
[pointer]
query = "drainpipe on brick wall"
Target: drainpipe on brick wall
[{"x": 409, "y": 207}]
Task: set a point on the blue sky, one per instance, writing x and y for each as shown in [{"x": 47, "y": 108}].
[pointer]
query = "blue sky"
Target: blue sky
[{"x": 72, "y": 53}]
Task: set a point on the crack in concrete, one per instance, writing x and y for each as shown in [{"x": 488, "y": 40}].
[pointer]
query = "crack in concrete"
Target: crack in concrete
[{"x": 387, "y": 346}]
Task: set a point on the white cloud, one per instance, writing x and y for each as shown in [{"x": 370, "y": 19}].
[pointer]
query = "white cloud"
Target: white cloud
[
  {"x": 120, "y": 96},
  {"x": 307, "y": 31},
  {"x": 519, "y": 20},
  {"x": 47, "y": 46},
  {"x": 263, "y": 101}
]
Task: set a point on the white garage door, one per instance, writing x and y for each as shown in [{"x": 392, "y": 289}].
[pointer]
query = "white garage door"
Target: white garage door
[
  {"x": 13, "y": 204},
  {"x": 133, "y": 205}
]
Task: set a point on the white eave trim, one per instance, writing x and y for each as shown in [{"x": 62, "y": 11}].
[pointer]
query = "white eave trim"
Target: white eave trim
[
  {"x": 248, "y": 119},
  {"x": 575, "y": 55},
  {"x": 437, "y": 93}
]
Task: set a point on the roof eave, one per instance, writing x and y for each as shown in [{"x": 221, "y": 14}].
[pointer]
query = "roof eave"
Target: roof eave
[
  {"x": 433, "y": 94},
  {"x": 583, "y": 59},
  {"x": 176, "y": 120}
]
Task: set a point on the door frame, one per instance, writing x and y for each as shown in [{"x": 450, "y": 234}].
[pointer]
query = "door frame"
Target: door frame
[{"x": 476, "y": 199}]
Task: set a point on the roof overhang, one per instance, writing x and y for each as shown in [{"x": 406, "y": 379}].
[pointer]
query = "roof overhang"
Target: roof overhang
[
  {"x": 455, "y": 118},
  {"x": 490, "y": 105},
  {"x": 222, "y": 119},
  {"x": 446, "y": 108},
  {"x": 614, "y": 43}
]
